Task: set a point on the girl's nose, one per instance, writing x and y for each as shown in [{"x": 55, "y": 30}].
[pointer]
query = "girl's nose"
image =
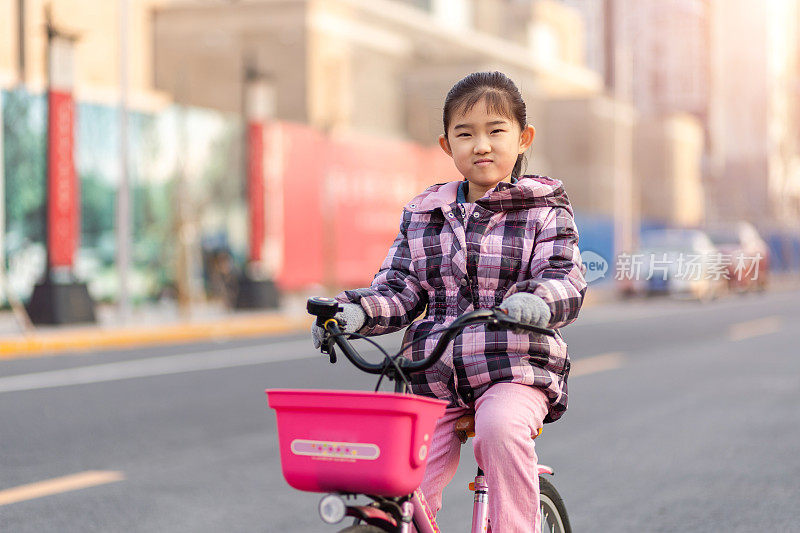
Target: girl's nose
[{"x": 482, "y": 146}]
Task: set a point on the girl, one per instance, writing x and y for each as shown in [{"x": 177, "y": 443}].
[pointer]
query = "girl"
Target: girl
[{"x": 494, "y": 239}]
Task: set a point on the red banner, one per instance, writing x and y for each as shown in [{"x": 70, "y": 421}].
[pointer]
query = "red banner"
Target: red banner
[
  {"x": 303, "y": 167},
  {"x": 343, "y": 199},
  {"x": 63, "y": 209},
  {"x": 255, "y": 188}
]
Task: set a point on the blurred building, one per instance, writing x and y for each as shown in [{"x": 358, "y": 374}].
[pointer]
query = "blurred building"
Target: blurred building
[
  {"x": 593, "y": 14},
  {"x": 654, "y": 54},
  {"x": 379, "y": 67},
  {"x": 23, "y": 43},
  {"x": 731, "y": 64},
  {"x": 754, "y": 157},
  {"x": 668, "y": 42},
  {"x": 670, "y": 149}
]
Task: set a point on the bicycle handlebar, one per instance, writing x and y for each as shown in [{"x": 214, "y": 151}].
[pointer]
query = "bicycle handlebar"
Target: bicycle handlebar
[{"x": 325, "y": 309}]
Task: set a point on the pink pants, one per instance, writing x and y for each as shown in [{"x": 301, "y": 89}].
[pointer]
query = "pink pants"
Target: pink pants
[{"x": 505, "y": 417}]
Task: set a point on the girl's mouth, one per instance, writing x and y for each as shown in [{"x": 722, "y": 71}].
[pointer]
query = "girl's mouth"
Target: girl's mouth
[{"x": 483, "y": 162}]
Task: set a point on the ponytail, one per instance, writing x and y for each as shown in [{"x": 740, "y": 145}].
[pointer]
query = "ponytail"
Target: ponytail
[{"x": 518, "y": 166}]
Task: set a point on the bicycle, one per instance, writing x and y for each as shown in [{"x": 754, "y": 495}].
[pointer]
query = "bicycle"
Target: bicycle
[{"x": 375, "y": 444}]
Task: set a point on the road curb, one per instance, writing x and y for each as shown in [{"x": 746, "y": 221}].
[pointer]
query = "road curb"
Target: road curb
[{"x": 90, "y": 339}]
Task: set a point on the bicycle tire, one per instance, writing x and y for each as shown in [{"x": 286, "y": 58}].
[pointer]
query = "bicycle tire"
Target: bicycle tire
[
  {"x": 362, "y": 529},
  {"x": 553, "y": 508}
]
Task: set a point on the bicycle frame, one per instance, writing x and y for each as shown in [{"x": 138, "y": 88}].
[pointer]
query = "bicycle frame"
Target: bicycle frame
[
  {"x": 417, "y": 510},
  {"x": 424, "y": 520}
]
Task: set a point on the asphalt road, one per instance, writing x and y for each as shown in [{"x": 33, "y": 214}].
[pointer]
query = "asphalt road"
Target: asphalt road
[{"x": 683, "y": 417}]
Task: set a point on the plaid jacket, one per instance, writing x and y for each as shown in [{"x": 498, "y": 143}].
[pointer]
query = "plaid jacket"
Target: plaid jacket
[{"x": 519, "y": 237}]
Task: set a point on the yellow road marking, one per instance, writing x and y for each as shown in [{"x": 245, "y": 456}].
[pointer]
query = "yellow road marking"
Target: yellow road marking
[
  {"x": 81, "y": 480},
  {"x": 755, "y": 328},
  {"x": 598, "y": 363},
  {"x": 93, "y": 338}
]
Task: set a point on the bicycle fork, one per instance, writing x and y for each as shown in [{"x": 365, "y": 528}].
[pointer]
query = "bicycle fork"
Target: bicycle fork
[{"x": 416, "y": 509}]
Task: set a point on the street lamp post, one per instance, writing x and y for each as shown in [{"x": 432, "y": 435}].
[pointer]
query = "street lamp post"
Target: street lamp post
[
  {"x": 60, "y": 298},
  {"x": 256, "y": 285},
  {"x": 123, "y": 195},
  {"x": 618, "y": 80}
]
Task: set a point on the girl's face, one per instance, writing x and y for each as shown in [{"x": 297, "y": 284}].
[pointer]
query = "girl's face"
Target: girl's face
[{"x": 484, "y": 145}]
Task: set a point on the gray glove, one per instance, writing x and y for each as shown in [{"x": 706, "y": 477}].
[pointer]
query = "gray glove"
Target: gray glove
[
  {"x": 528, "y": 309},
  {"x": 352, "y": 314}
]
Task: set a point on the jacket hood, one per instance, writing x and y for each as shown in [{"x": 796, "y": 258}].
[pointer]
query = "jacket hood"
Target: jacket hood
[{"x": 528, "y": 192}]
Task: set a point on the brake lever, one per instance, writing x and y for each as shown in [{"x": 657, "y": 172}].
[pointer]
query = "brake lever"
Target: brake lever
[
  {"x": 332, "y": 352},
  {"x": 328, "y": 346}
]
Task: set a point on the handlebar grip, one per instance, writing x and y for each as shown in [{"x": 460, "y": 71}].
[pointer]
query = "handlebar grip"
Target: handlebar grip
[{"x": 507, "y": 322}]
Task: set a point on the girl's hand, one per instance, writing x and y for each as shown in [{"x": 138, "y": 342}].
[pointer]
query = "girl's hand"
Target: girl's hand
[
  {"x": 527, "y": 308},
  {"x": 353, "y": 317}
]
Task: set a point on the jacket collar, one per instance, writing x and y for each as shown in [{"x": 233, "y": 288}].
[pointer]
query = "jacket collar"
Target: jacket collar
[{"x": 528, "y": 192}]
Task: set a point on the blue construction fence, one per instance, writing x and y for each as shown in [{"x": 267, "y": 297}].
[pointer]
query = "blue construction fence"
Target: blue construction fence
[{"x": 597, "y": 235}]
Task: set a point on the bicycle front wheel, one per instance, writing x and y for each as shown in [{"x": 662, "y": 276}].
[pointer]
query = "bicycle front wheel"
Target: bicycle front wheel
[{"x": 552, "y": 508}]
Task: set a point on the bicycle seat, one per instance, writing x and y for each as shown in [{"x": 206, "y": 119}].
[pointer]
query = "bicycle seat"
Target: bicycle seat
[{"x": 465, "y": 428}]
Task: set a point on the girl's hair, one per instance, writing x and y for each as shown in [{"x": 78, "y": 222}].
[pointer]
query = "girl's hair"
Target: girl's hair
[{"x": 500, "y": 94}]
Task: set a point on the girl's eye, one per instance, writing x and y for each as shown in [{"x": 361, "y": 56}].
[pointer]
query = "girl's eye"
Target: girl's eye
[
  {"x": 498, "y": 131},
  {"x": 463, "y": 135}
]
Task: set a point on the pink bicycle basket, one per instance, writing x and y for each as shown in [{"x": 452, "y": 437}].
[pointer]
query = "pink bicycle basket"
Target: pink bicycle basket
[{"x": 353, "y": 441}]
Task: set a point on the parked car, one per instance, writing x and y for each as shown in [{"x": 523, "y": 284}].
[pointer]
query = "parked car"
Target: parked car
[
  {"x": 746, "y": 255},
  {"x": 678, "y": 262}
]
